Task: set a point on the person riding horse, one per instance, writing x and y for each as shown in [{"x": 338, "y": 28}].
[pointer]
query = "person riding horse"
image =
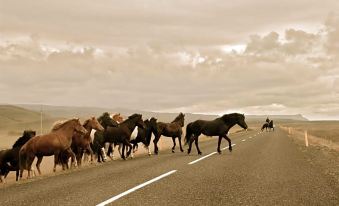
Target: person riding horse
[{"x": 267, "y": 120}]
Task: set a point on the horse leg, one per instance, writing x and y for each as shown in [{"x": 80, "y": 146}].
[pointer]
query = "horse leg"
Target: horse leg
[
  {"x": 190, "y": 144},
  {"x": 155, "y": 141},
  {"x": 73, "y": 163},
  {"x": 149, "y": 150},
  {"x": 123, "y": 152},
  {"x": 99, "y": 155},
  {"x": 135, "y": 147},
  {"x": 197, "y": 145},
  {"x": 38, "y": 164},
  {"x": 129, "y": 152},
  {"x": 16, "y": 175},
  {"x": 89, "y": 149},
  {"x": 179, "y": 138},
  {"x": 173, "y": 138},
  {"x": 120, "y": 148},
  {"x": 79, "y": 154},
  {"x": 110, "y": 151},
  {"x": 229, "y": 142},
  {"x": 56, "y": 156},
  {"x": 219, "y": 142}
]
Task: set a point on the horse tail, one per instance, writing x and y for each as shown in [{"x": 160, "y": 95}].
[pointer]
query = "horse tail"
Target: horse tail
[{"x": 188, "y": 133}]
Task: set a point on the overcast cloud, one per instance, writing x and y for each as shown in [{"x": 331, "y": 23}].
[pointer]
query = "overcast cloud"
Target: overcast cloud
[{"x": 251, "y": 56}]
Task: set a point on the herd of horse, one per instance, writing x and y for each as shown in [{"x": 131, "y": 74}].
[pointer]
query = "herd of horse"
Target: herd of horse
[{"x": 69, "y": 141}]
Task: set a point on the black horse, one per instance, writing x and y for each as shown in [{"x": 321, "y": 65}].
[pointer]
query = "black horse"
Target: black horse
[
  {"x": 99, "y": 141},
  {"x": 122, "y": 133},
  {"x": 145, "y": 134},
  {"x": 173, "y": 129},
  {"x": 9, "y": 158},
  {"x": 268, "y": 126},
  {"x": 218, "y": 127}
]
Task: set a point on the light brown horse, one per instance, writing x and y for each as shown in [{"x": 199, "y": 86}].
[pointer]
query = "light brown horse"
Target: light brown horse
[
  {"x": 118, "y": 118},
  {"x": 81, "y": 142},
  {"x": 58, "y": 140}
]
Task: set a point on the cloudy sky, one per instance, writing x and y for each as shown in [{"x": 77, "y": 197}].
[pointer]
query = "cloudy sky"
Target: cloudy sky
[{"x": 208, "y": 56}]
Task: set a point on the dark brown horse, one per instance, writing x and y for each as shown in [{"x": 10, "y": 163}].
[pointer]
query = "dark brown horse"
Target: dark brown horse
[
  {"x": 144, "y": 134},
  {"x": 98, "y": 145},
  {"x": 268, "y": 126},
  {"x": 9, "y": 158},
  {"x": 173, "y": 129},
  {"x": 122, "y": 133},
  {"x": 218, "y": 127},
  {"x": 53, "y": 143},
  {"x": 81, "y": 143}
]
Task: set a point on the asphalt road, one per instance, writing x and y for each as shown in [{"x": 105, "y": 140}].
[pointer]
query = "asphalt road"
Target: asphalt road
[{"x": 263, "y": 169}]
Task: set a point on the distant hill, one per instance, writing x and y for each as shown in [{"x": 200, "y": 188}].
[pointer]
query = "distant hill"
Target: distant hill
[
  {"x": 10, "y": 114},
  {"x": 85, "y": 112},
  {"x": 297, "y": 117}
]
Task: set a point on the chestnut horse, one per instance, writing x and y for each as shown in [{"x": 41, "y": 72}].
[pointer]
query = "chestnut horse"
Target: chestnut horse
[
  {"x": 58, "y": 140},
  {"x": 81, "y": 142},
  {"x": 173, "y": 129}
]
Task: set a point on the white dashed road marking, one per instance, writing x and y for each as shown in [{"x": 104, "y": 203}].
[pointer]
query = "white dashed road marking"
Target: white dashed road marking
[{"x": 136, "y": 188}]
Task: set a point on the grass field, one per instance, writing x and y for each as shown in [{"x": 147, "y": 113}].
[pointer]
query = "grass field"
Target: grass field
[{"x": 328, "y": 130}]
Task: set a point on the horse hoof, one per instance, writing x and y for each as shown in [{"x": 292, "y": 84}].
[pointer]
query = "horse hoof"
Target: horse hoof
[
  {"x": 182, "y": 150},
  {"x": 230, "y": 149},
  {"x": 199, "y": 153},
  {"x": 219, "y": 152},
  {"x": 173, "y": 151}
]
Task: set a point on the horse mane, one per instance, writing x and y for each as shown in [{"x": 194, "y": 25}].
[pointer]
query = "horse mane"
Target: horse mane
[
  {"x": 131, "y": 117},
  {"x": 134, "y": 116},
  {"x": 59, "y": 124},
  {"x": 86, "y": 122},
  {"x": 24, "y": 138},
  {"x": 227, "y": 117},
  {"x": 178, "y": 118},
  {"x": 104, "y": 115}
]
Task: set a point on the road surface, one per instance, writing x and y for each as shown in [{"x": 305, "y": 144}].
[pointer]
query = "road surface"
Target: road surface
[{"x": 263, "y": 169}]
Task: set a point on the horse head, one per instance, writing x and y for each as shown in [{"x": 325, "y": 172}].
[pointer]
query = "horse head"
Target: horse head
[
  {"x": 180, "y": 119},
  {"x": 118, "y": 118},
  {"x": 241, "y": 121},
  {"x": 106, "y": 121},
  {"x": 27, "y": 135},
  {"x": 77, "y": 126},
  {"x": 94, "y": 124},
  {"x": 153, "y": 126}
]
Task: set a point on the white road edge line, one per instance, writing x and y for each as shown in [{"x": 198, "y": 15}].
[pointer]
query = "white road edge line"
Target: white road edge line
[
  {"x": 201, "y": 158},
  {"x": 136, "y": 188},
  {"x": 227, "y": 147}
]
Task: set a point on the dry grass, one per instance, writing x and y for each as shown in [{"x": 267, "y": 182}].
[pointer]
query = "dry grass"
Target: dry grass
[
  {"x": 328, "y": 130},
  {"x": 320, "y": 133}
]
